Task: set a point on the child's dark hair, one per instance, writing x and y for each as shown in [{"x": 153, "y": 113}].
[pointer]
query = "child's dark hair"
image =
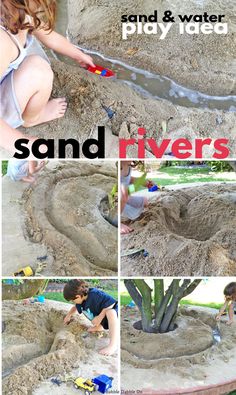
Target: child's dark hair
[
  {"x": 230, "y": 289},
  {"x": 14, "y": 14},
  {"x": 74, "y": 288}
]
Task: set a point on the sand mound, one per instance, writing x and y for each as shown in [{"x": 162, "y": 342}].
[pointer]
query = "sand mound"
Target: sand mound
[
  {"x": 64, "y": 211},
  {"x": 185, "y": 352},
  {"x": 188, "y": 232},
  {"x": 36, "y": 345}
]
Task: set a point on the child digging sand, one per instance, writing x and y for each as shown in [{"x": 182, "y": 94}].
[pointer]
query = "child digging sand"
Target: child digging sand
[
  {"x": 99, "y": 307},
  {"x": 230, "y": 301},
  {"x": 23, "y": 170},
  {"x": 131, "y": 206},
  {"x": 26, "y": 77}
]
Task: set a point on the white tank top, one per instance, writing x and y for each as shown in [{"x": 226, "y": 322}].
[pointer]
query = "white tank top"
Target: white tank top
[{"x": 22, "y": 52}]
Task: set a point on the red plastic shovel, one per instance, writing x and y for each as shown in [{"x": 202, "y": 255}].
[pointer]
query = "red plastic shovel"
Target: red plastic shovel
[{"x": 99, "y": 70}]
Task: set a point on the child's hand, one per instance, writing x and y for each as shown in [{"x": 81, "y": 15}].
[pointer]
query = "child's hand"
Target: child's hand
[
  {"x": 230, "y": 322},
  {"x": 149, "y": 184},
  {"x": 67, "y": 319},
  {"x": 218, "y": 317},
  {"x": 96, "y": 321},
  {"x": 85, "y": 60}
]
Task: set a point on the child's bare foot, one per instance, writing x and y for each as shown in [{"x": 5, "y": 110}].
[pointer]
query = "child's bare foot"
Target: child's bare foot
[
  {"x": 98, "y": 328},
  {"x": 124, "y": 229},
  {"x": 109, "y": 350},
  {"x": 54, "y": 109}
]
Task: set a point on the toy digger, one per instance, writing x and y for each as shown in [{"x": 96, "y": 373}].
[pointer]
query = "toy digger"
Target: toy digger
[
  {"x": 79, "y": 383},
  {"x": 24, "y": 272},
  {"x": 87, "y": 385}
]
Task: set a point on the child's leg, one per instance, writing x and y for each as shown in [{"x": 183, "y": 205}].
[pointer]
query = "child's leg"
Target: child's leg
[
  {"x": 33, "y": 85},
  {"x": 98, "y": 328},
  {"x": 231, "y": 314},
  {"x": 124, "y": 229},
  {"x": 29, "y": 179},
  {"x": 113, "y": 332}
]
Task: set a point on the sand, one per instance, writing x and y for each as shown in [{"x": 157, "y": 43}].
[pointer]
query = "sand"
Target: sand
[
  {"x": 37, "y": 346},
  {"x": 204, "y": 63},
  {"x": 66, "y": 212},
  {"x": 187, "y": 232},
  {"x": 183, "y": 358},
  {"x": 87, "y": 94}
]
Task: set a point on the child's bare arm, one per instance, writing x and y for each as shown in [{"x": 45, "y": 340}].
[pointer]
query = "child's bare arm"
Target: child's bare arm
[
  {"x": 8, "y": 49},
  {"x": 71, "y": 312},
  {"x": 60, "y": 44},
  {"x": 222, "y": 310},
  {"x": 97, "y": 320},
  {"x": 8, "y": 136}
]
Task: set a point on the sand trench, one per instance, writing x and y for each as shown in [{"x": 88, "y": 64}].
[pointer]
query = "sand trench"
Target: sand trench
[
  {"x": 188, "y": 350},
  {"x": 63, "y": 211},
  {"x": 38, "y": 346},
  {"x": 207, "y": 66},
  {"x": 187, "y": 232}
]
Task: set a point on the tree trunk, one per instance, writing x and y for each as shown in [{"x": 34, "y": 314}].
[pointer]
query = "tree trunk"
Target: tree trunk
[
  {"x": 146, "y": 293},
  {"x": 171, "y": 309},
  {"x": 158, "y": 294},
  {"x": 135, "y": 295},
  {"x": 178, "y": 293},
  {"x": 166, "y": 304}
]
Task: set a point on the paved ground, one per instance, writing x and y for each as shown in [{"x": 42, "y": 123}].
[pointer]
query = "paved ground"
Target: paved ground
[{"x": 17, "y": 251}]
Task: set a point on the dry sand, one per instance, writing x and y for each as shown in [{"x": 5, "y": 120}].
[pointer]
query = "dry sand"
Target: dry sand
[
  {"x": 63, "y": 212},
  {"x": 183, "y": 358},
  {"x": 187, "y": 232},
  {"x": 37, "y": 346},
  {"x": 204, "y": 63}
]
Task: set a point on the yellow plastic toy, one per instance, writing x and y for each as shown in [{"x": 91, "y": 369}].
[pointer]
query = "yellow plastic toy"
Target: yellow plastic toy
[
  {"x": 87, "y": 385},
  {"x": 24, "y": 272}
]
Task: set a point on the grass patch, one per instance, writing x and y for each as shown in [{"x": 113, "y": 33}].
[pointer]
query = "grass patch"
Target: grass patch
[
  {"x": 4, "y": 167},
  {"x": 58, "y": 296},
  {"x": 211, "y": 305},
  {"x": 172, "y": 175},
  {"x": 125, "y": 299}
]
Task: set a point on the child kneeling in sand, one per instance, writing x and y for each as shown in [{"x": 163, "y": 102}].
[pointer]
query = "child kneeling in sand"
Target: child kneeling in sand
[
  {"x": 131, "y": 207},
  {"x": 99, "y": 307},
  {"x": 26, "y": 77},
  {"x": 230, "y": 300},
  {"x": 23, "y": 170}
]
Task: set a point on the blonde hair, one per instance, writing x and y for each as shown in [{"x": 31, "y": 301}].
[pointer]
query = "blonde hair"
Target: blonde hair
[{"x": 14, "y": 14}]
